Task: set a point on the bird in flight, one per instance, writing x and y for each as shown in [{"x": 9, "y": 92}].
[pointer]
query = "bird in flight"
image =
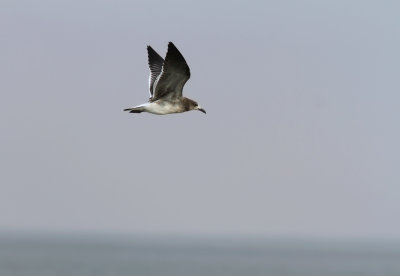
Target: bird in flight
[{"x": 166, "y": 81}]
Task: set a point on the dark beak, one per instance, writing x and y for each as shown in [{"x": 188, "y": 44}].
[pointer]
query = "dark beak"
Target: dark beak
[{"x": 202, "y": 110}]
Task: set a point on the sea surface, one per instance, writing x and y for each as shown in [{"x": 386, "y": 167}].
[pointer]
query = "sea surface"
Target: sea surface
[{"x": 147, "y": 256}]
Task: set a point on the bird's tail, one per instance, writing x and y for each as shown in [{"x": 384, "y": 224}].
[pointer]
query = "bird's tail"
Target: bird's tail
[{"x": 137, "y": 109}]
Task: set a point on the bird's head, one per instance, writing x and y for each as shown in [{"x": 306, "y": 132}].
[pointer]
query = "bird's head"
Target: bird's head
[
  {"x": 199, "y": 108},
  {"x": 193, "y": 105}
]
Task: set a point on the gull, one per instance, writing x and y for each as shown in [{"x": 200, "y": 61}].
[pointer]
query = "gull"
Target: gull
[{"x": 166, "y": 81}]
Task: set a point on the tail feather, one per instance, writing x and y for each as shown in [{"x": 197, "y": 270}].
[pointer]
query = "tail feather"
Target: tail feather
[{"x": 134, "y": 109}]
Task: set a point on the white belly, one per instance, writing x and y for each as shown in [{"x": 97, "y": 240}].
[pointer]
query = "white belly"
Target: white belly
[{"x": 162, "y": 108}]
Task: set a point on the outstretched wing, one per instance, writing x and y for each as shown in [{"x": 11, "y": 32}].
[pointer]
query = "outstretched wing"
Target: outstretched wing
[
  {"x": 155, "y": 65},
  {"x": 175, "y": 73}
]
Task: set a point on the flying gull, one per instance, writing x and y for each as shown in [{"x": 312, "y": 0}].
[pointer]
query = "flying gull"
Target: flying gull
[{"x": 166, "y": 81}]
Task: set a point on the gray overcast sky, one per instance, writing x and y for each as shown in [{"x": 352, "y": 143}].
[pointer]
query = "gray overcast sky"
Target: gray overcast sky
[{"x": 301, "y": 136}]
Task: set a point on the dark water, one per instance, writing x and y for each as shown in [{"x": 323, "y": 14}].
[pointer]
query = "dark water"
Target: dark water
[{"x": 161, "y": 256}]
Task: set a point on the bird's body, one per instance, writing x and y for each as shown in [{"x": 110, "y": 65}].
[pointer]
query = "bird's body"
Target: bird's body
[
  {"x": 162, "y": 107},
  {"x": 166, "y": 82}
]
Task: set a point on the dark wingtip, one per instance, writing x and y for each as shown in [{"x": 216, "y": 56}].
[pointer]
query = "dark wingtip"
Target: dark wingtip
[
  {"x": 171, "y": 44},
  {"x": 151, "y": 51}
]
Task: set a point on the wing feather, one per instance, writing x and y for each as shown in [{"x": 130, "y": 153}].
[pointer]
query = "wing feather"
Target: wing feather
[
  {"x": 175, "y": 73},
  {"x": 155, "y": 64}
]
